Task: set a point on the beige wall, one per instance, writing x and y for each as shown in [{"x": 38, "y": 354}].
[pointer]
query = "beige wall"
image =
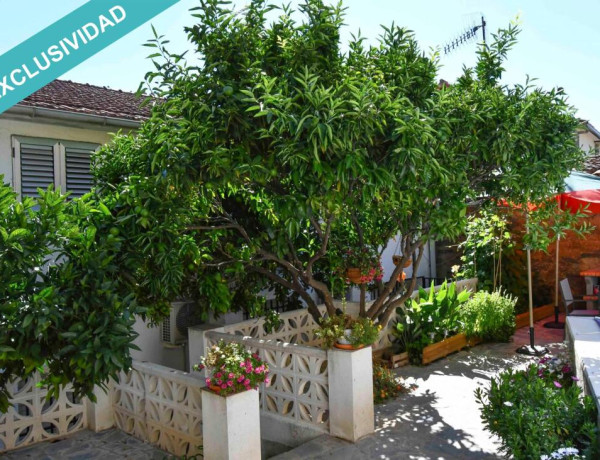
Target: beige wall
[{"x": 77, "y": 132}]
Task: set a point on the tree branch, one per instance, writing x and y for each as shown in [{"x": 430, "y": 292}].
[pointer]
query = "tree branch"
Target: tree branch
[{"x": 296, "y": 287}]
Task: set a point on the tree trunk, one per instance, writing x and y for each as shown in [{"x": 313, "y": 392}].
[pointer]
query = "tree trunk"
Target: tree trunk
[{"x": 363, "y": 295}]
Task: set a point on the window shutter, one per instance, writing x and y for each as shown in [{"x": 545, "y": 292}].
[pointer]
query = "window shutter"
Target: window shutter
[
  {"x": 37, "y": 168},
  {"x": 79, "y": 177}
]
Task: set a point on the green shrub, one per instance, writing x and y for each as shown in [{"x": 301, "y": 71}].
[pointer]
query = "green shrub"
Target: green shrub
[
  {"x": 534, "y": 415},
  {"x": 490, "y": 316},
  {"x": 429, "y": 318}
]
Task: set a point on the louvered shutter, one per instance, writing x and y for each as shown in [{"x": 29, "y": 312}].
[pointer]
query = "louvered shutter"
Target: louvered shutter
[
  {"x": 79, "y": 177},
  {"x": 37, "y": 168}
]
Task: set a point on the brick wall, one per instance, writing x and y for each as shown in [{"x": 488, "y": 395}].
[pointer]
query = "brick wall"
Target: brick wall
[{"x": 576, "y": 254}]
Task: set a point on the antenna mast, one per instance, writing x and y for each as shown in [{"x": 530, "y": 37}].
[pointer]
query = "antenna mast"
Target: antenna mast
[{"x": 467, "y": 36}]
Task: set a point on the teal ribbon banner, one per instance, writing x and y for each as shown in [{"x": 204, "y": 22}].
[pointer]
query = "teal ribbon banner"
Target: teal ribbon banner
[{"x": 68, "y": 42}]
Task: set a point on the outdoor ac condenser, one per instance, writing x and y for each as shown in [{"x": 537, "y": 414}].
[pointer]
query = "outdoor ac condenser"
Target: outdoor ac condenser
[{"x": 169, "y": 332}]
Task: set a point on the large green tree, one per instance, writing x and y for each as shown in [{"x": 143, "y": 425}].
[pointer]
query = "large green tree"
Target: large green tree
[
  {"x": 278, "y": 152},
  {"x": 260, "y": 167}
]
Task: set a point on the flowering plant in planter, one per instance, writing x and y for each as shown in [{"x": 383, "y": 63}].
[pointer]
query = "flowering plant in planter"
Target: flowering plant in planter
[
  {"x": 345, "y": 330},
  {"x": 362, "y": 266},
  {"x": 232, "y": 368}
]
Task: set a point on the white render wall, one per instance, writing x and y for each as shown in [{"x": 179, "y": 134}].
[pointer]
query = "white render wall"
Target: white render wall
[
  {"x": 153, "y": 350},
  {"x": 77, "y": 132},
  {"x": 586, "y": 141}
]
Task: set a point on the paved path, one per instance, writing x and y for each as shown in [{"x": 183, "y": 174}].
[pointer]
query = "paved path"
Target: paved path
[{"x": 440, "y": 419}]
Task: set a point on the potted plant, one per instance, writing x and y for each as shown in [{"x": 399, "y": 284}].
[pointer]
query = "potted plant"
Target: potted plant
[
  {"x": 402, "y": 276},
  {"x": 362, "y": 266},
  {"x": 396, "y": 258},
  {"x": 347, "y": 333},
  {"x": 231, "y": 368},
  {"x": 231, "y": 413}
]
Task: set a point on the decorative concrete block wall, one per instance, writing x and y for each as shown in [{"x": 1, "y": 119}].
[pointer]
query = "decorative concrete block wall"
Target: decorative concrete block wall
[
  {"x": 32, "y": 418},
  {"x": 161, "y": 406}
]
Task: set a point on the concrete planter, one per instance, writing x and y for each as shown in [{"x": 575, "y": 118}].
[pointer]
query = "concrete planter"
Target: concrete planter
[
  {"x": 231, "y": 426},
  {"x": 351, "y": 409}
]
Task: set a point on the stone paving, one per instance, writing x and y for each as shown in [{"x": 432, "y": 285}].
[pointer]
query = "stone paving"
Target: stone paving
[
  {"x": 87, "y": 445},
  {"x": 440, "y": 418}
]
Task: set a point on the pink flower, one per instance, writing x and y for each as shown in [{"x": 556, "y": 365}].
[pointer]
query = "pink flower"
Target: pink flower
[
  {"x": 229, "y": 383},
  {"x": 247, "y": 382},
  {"x": 219, "y": 382},
  {"x": 218, "y": 375},
  {"x": 575, "y": 379},
  {"x": 223, "y": 387},
  {"x": 557, "y": 385},
  {"x": 207, "y": 382},
  {"x": 267, "y": 381},
  {"x": 231, "y": 375},
  {"x": 255, "y": 355},
  {"x": 241, "y": 379},
  {"x": 242, "y": 364}
]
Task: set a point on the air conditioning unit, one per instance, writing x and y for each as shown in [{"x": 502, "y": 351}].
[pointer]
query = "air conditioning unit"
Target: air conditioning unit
[{"x": 171, "y": 330}]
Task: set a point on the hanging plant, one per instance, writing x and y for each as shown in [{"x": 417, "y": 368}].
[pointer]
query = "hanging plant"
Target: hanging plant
[
  {"x": 362, "y": 266},
  {"x": 397, "y": 259}
]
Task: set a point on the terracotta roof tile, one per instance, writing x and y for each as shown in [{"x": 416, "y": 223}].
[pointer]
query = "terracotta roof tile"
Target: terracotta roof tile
[
  {"x": 88, "y": 99},
  {"x": 592, "y": 165}
]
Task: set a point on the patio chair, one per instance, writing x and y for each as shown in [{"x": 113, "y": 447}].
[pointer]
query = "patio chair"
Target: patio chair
[{"x": 570, "y": 301}]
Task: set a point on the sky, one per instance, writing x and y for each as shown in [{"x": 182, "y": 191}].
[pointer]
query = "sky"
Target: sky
[{"x": 559, "y": 43}]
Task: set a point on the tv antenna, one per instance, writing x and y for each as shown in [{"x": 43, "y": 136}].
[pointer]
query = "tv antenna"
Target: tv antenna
[{"x": 467, "y": 36}]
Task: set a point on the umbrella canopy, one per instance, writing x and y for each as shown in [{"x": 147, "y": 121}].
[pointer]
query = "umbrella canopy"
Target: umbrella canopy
[{"x": 581, "y": 190}]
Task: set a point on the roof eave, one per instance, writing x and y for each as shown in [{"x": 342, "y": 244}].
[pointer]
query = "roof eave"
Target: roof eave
[
  {"x": 592, "y": 130},
  {"x": 32, "y": 112}
]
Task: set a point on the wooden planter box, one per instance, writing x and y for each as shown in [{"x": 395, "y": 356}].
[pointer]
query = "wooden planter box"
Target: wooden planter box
[
  {"x": 447, "y": 346},
  {"x": 386, "y": 357},
  {"x": 539, "y": 313}
]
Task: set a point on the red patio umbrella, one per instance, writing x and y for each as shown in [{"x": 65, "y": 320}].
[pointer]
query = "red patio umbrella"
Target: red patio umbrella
[{"x": 581, "y": 190}]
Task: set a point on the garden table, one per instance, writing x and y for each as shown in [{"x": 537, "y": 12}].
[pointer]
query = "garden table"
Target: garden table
[{"x": 591, "y": 279}]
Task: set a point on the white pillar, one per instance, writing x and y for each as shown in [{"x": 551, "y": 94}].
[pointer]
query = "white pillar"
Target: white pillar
[
  {"x": 351, "y": 408},
  {"x": 231, "y": 426},
  {"x": 100, "y": 414}
]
